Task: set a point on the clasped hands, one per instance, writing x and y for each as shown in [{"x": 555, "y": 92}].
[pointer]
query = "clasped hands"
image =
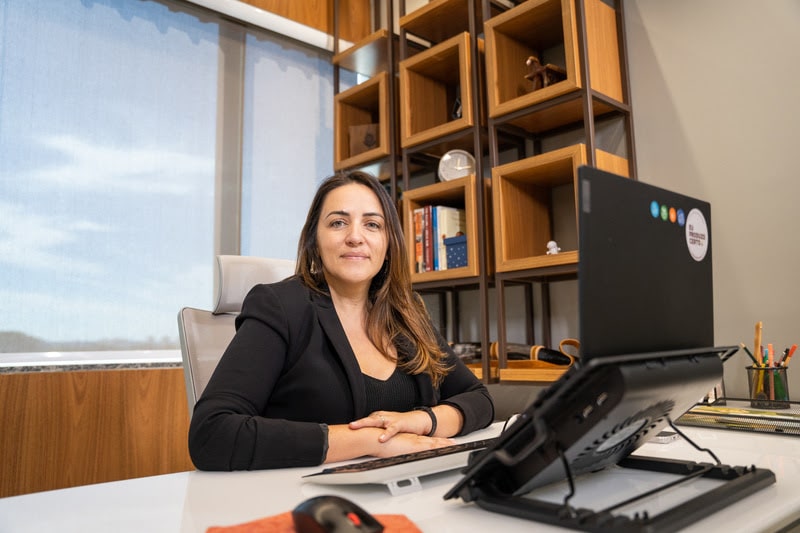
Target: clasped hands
[
  {"x": 390, "y": 433},
  {"x": 409, "y": 429}
]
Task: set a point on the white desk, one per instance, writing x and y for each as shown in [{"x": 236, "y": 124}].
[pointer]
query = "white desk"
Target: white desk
[{"x": 193, "y": 501}]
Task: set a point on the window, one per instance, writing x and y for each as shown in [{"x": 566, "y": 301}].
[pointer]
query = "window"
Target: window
[
  {"x": 288, "y": 141},
  {"x": 108, "y": 156}
]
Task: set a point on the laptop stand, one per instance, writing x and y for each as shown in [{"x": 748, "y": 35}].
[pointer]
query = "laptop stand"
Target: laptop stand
[{"x": 738, "y": 482}]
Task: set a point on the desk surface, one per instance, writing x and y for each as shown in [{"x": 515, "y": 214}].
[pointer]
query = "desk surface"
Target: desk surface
[{"x": 193, "y": 501}]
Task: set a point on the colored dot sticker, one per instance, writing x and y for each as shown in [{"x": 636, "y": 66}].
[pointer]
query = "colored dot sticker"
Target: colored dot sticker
[
  {"x": 654, "y": 209},
  {"x": 697, "y": 237},
  {"x": 681, "y": 217},
  {"x": 664, "y": 212},
  {"x": 673, "y": 215}
]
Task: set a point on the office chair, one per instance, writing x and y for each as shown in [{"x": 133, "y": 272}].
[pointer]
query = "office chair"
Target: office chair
[{"x": 204, "y": 335}]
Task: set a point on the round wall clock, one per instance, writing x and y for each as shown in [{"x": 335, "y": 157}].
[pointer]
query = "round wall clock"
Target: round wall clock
[{"x": 456, "y": 164}]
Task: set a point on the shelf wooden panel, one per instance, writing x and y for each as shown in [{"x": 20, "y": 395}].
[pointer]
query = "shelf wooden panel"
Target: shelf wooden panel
[
  {"x": 547, "y": 29},
  {"x": 518, "y": 371},
  {"x": 602, "y": 40},
  {"x": 612, "y": 163},
  {"x": 530, "y": 375},
  {"x": 354, "y": 15},
  {"x": 477, "y": 371},
  {"x": 366, "y": 103},
  {"x": 368, "y": 56},
  {"x": 430, "y": 83},
  {"x": 523, "y": 206},
  {"x": 438, "y": 20},
  {"x": 459, "y": 193},
  {"x": 555, "y": 115}
]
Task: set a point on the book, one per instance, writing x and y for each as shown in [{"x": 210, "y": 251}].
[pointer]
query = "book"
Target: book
[
  {"x": 427, "y": 238},
  {"x": 450, "y": 222},
  {"x": 419, "y": 214},
  {"x": 435, "y": 236},
  {"x": 739, "y": 414}
]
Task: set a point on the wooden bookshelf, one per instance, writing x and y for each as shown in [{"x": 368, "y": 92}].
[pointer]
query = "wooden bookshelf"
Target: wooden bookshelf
[
  {"x": 430, "y": 83},
  {"x": 460, "y": 193},
  {"x": 363, "y": 105},
  {"x": 524, "y": 204},
  {"x": 547, "y": 29}
]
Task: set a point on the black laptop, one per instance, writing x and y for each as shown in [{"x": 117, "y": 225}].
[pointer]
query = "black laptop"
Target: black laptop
[
  {"x": 644, "y": 275},
  {"x": 647, "y": 344}
]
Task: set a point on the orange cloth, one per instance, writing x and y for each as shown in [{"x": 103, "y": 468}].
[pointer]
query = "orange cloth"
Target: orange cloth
[{"x": 282, "y": 523}]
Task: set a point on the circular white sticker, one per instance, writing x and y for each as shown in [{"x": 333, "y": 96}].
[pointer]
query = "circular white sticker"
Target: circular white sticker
[{"x": 697, "y": 234}]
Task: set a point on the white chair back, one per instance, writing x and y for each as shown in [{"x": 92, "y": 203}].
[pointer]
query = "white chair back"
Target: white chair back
[{"x": 204, "y": 335}]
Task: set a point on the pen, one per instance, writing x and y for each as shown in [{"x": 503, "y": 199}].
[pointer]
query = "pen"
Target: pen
[
  {"x": 779, "y": 360},
  {"x": 770, "y": 363},
  {"x": 749, "y": 354},
  {"x": 785, "y": 361},
  {"x": 757, "y": 340}
]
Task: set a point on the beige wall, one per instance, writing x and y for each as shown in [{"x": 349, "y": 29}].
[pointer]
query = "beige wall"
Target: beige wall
[{"x": 716, "y": 100}]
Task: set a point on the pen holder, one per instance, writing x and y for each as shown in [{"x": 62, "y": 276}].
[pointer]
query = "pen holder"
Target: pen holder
[{"x": 769, "y": 387}]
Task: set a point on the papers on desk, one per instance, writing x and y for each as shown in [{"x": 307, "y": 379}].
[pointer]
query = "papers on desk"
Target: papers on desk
[{"x": 739, "y": 415}]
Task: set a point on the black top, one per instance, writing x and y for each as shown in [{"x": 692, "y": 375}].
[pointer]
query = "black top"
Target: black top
[
  {"x": 398, "y": 393},
  {"x": 288, "y": 372}
]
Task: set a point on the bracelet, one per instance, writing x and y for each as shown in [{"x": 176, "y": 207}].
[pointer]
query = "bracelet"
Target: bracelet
[{"x": 432, "y": 415}]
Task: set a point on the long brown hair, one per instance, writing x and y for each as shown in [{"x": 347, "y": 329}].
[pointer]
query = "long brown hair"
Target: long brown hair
[{"x": 395, "y": 312}]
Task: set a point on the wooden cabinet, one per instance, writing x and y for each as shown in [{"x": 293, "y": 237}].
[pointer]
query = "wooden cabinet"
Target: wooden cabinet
[
  {"x": 68, "y": 428},
  {"x": 532, "y": 90}
]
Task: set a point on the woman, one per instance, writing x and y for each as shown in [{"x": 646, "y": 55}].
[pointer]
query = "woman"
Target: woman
[{"x": 339, "y": 361}]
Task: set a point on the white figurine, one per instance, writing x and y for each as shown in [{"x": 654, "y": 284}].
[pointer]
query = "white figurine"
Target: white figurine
[{"x": 552, "y": 248}]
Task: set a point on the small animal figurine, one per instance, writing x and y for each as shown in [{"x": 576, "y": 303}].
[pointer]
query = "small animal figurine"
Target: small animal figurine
[
  {"x": 543, "y": 75},
  {"x": 552, "y": 248}
]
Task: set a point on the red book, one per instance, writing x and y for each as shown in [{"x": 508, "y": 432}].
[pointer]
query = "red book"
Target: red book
[
  {"x": 419, "y": 214},
  {"x": 427, "y": 243}
]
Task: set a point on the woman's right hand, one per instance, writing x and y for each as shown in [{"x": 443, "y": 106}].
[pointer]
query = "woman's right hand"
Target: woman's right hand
[
  {"x": 393, "y": 422},
  {"x": 345, "y": 443},
  {"x": 402, "y": 443}
]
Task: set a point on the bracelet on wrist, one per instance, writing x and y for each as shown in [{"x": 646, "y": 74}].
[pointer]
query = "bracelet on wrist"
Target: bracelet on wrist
[{"x": 432, "y": 415}]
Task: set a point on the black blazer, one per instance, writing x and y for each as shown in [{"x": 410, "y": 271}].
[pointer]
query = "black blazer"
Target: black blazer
[{"x": 289, "y": 369}]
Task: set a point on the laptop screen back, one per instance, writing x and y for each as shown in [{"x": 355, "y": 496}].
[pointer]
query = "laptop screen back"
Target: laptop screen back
[
  {"x": 644, "y": 277},
  {"x": 646, "y": 320}
]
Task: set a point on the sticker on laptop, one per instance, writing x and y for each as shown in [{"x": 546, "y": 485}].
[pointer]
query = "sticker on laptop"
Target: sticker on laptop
[{"x": 697, "y": 234}]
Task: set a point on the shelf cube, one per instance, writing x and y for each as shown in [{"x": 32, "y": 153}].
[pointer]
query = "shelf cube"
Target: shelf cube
[
  {"x": 535, "y": 201},
  {"x": 459, "y": 193},
  {"x": 361, "y": 118},
  {"x": 436, "y": 92},
  {"x": 548, "y": 31}
]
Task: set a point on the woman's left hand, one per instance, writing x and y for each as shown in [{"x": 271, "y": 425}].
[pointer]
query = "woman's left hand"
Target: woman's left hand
[{"x": 393, "y": 422}]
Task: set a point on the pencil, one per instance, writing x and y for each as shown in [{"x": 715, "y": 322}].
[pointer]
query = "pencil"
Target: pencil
[
  {"x": 749, "y": 353},
  {"x": 757, "y": 341}
]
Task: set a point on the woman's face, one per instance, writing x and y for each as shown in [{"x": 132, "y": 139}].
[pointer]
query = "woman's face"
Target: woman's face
[{"x": 351, "y": 236}]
